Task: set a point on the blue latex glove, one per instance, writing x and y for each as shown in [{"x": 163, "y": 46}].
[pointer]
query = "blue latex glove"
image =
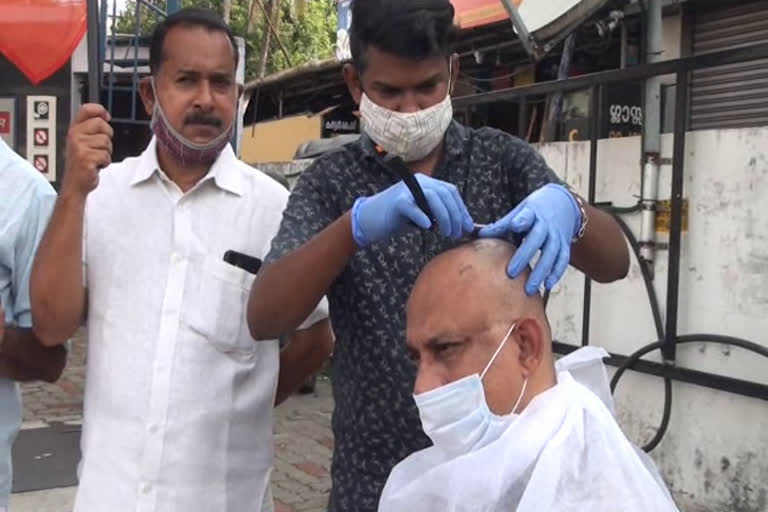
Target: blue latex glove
[
  {"x": 550, "y": 217},
  {"x": 389, "y": 212}
]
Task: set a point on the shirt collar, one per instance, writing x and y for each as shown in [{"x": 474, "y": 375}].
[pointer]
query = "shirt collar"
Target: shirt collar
[{"x": 225, "y": 172}]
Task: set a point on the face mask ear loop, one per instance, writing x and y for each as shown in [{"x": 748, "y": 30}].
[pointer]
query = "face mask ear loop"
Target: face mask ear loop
[
  {"x": 501, "y": 345},
  {"x": 520, "y": 398},
  {"x": 156, "y": 105}
]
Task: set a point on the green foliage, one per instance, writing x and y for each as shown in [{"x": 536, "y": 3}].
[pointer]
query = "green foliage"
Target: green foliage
[
  {"x": 308, "y": 37},
  {"x": 307, "y": 28}
]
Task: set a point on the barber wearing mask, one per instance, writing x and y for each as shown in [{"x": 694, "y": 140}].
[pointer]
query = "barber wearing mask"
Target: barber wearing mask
[
  {"x": 157, "y": 254},
  {"x": 352, "y": 230}
]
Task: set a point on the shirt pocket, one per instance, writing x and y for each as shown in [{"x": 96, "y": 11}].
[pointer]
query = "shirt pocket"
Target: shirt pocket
[{"x": 218, "y": 314}]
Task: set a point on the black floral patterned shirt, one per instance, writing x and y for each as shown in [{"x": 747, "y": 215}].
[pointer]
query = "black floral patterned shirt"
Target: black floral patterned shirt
[{"x": 375, "y": 421}]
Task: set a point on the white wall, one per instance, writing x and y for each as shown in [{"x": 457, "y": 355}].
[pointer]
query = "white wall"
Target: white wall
[
  {"x": 671, "y": 32},
  {"x": 715, "y": 454}
]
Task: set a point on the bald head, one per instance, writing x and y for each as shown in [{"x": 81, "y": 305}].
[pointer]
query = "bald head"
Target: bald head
[
  {"x": 477, "y": 270},
  {"x": 460, "y": 309}
]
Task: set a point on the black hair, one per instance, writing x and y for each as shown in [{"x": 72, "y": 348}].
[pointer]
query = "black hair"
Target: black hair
[
  {"x": 413, "y": 29},
  {"x": 189, "y": 17}
]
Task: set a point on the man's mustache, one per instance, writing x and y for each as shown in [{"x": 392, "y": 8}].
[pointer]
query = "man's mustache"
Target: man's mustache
[{"x": 203, "y": 118}]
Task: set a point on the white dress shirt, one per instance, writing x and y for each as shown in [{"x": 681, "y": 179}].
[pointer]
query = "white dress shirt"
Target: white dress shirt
[{"x": 179, "y": 397}]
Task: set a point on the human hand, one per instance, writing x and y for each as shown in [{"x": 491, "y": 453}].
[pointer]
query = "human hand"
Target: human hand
[
  {"x": 389, "y": 212},
  {"x": 550, "y": 217},
  {"x": 89, "y": 149}
]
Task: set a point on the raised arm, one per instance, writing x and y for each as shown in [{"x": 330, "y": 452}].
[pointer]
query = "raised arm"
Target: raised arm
[
  {"x": 310, "y": 250},
  {"x": 57, "y": 288},
  {"x": 316, "y": 241}
]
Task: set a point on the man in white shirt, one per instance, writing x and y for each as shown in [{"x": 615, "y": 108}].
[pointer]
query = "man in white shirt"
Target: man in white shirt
[
  {"x": 178, "y": 400},
  {"x": 26, "y": 203},
  {"x": 511, "y": 428}
]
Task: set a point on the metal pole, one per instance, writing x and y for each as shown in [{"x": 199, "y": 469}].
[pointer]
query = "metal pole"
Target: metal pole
[
  {"x": 103, "y": 22},
  {"x": 651, "y": 136},
  {"x": 111, "y": 86},
  {"x": 676, "y": 218},
  {"x": 522, "y": 116},
  {"x": 135, "y": 74},
  {"x": 595, "y": 111},
  {"x": 522, "y": 31},
  {"x": 93, "y": 51},
  {"x": 562, "y": 74}
]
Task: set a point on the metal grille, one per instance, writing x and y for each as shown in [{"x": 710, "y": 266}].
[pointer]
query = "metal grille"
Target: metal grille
[{"x": 734, "y": 95}]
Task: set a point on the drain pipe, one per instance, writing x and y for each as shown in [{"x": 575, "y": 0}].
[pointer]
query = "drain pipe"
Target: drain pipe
[{"x": 651, "y": 161}]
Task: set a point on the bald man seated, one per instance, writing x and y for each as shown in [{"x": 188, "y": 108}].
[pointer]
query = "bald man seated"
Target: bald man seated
[{"x": 512, "y": 429}]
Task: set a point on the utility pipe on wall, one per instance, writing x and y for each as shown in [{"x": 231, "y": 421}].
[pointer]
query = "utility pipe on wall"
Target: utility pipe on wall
[{"x": 651, "y": 161}]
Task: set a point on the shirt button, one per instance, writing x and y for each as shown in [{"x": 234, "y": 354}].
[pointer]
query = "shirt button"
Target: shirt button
[
  {"x": 153, "y": 429},
  {"x": 175, "y": 257},
  {"x": 146, "y": 488}
]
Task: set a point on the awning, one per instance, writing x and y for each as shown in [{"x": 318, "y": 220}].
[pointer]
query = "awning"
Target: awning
[
  {"x": 476, "y": 13},
  {"x": 550, "y": 17}
]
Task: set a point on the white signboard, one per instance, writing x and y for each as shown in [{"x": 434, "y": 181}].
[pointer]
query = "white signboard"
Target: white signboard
[{"x": 41, "y": 134}]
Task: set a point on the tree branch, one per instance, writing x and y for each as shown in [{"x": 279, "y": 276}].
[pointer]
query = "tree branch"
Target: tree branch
[{"x": 274, "y": 31}]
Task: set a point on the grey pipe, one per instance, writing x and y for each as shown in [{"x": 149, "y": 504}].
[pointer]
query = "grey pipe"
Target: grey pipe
[
  {"x": 651, "y": 161},
  {"x": 94, "y": 71}
]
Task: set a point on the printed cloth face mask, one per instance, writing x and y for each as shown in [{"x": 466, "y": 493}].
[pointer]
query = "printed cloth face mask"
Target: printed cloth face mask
[
  {"x": 184, "y": 150},
  {"x": 456, "y": 416},
  {"x": 411, "y": 136}
]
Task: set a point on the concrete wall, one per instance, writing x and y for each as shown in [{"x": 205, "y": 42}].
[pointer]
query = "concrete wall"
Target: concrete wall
[
  {"x": 715, "y": 454},
  {"x": 277, "y": 141}
]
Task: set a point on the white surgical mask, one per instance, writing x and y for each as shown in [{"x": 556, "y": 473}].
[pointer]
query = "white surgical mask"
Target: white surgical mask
[
  {"x": 456, "y": 416},
  {"x": 411, "y": 136}
]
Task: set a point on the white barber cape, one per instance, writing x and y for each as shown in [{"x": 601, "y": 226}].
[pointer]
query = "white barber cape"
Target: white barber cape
[{"x": 565, "y": 452}]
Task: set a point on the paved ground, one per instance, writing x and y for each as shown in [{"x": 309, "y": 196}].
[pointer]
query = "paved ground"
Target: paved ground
[{"x": 303, "y": 441}]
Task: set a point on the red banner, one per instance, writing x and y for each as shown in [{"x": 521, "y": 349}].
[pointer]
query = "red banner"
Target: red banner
[
  {"x": 475, "y": 13},
  {"x": 39, "y": 36}
]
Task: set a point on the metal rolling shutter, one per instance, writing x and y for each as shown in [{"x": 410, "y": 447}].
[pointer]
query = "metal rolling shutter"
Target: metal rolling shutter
[{"x": 734, "y": 95}]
